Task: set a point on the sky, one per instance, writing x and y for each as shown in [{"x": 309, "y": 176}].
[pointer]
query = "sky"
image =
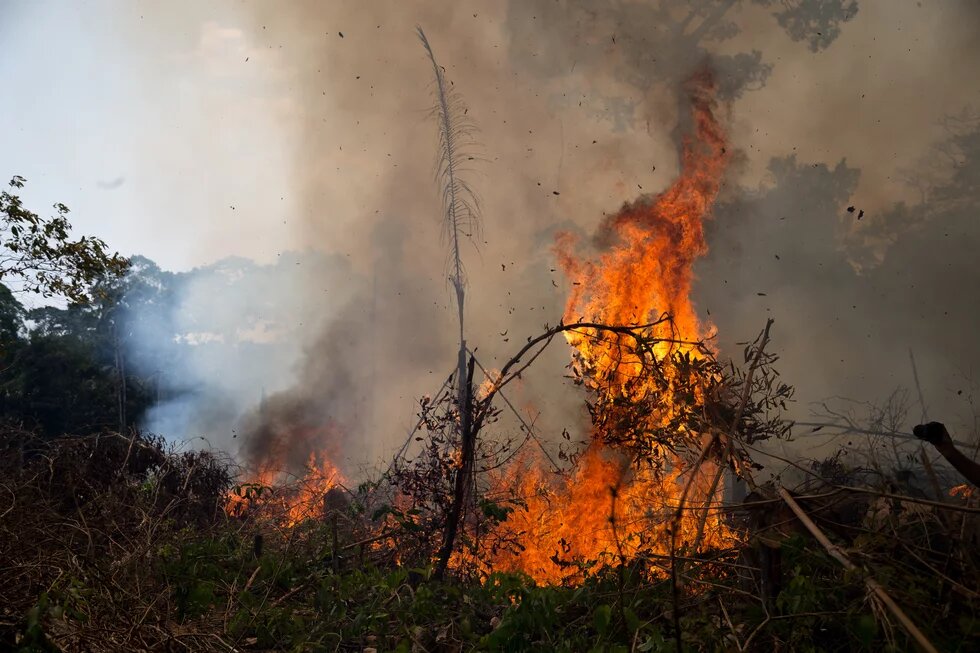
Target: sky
[
  {"x": 188, "y": 132},
  {"x": 161, "y": 138},
  {"x": 170, "y": 132}
]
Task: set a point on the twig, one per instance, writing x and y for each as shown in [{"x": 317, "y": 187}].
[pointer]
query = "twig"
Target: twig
[
  {"x": 918, "y": 387},
  {"x": 908, "y": 499},
  {"x": 414, "y": 429},
  {"x": 743, "y": 401},
  {"x": 731, "y": 626},
  {"x": 847, "y": 428},
  {"x": 952, "y": 583},
  {"x": 634, "y": 331},
  {"x": 755, "y": 632},
  {"x": 369, "y": 540},
  {"x": 675, "y": 590},
  {"x": 13, "y": 501},
  {"x": 930, "y": 472},
  {"x": 520, "y": 418}
]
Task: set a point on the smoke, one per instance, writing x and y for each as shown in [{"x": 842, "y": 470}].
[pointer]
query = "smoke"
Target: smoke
[
  {"x": 572, "y": 125},
  {"x": 580, "y": 108},
  {"x": 215, "y": 340}
]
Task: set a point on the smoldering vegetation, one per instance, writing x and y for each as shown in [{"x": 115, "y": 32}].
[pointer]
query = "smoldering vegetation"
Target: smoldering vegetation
[{"x": 214, "y": 342}]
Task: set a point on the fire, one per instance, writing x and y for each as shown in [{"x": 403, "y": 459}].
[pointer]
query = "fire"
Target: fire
[
  {"x": 648, "y": 268},
  {"x": 605, "y": 511},
  {"x": 488, "y": 384},
  {"x": 291, "y": 502},
  {"x": 608, "y": 509}
]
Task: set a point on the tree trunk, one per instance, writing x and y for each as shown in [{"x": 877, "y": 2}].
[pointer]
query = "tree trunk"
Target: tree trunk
[
  {"x": 120, "y": 380},
  {"x": 461, "y": 483}
]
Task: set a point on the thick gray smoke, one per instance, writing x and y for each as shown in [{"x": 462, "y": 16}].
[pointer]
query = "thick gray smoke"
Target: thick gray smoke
[{"x": 830, "y": 104}]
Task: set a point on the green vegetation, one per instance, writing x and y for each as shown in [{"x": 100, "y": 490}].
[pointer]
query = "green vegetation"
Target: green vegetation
[
  {"x": 111, "y": 543},
  {"x": 40, "y": 253}
]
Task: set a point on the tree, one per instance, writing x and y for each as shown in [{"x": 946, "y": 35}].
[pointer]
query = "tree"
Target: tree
[
  {"x": 52, "y": 377},
  {"x": 42, "y": 256}
]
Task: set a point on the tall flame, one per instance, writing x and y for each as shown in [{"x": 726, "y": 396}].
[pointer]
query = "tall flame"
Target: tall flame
[
  {"x": 606, "y": 509},
  {"x": 652, "y": 246}
]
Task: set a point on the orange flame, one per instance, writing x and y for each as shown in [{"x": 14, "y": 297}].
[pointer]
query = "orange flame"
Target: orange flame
[
  {"x": 606, "y": 509},
  {"x": 290, "y": 502},
  {"x": 653, "y": 243},
  {"x": 604, "y": 512},
  {"x": 488, "y": 385}
]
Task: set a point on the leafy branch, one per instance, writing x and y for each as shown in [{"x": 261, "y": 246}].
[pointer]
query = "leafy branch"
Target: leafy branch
[{"x": 42, "y": 256}]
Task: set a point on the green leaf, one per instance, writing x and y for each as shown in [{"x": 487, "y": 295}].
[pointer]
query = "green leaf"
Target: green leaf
[
  {"x": 602, "y": 617},
  {"x": 866, "y": 629},
  {"x": 632, "y": 621}
]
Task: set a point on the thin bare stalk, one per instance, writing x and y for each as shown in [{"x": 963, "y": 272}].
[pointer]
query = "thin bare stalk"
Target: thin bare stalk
[
  {"x": 837, "y": 554},
  {"x": 461, "y": 220}
]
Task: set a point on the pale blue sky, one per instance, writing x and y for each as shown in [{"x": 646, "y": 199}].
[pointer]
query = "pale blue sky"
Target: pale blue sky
[{"x": 149, "y": 130}]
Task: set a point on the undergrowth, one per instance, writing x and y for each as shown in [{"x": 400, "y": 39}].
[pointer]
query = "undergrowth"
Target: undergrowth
[{"x": 113, "y": 544}]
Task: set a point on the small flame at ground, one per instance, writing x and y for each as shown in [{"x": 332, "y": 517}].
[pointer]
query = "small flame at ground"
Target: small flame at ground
[{"x": 291, "y": 501}]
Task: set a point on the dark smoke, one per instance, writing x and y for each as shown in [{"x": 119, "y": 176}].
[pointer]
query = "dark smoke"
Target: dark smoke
[{"x": 580, "y": 109}]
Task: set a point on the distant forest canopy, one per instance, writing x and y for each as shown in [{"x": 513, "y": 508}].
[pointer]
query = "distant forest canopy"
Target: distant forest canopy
[{"x": 155, "y": 340}]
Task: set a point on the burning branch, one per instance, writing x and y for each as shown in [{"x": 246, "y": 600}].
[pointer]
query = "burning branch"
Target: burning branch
[{"x": 658, "y": 397}]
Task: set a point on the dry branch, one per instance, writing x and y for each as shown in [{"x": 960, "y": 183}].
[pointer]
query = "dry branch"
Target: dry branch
[{"x": 838, "y": 555}]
